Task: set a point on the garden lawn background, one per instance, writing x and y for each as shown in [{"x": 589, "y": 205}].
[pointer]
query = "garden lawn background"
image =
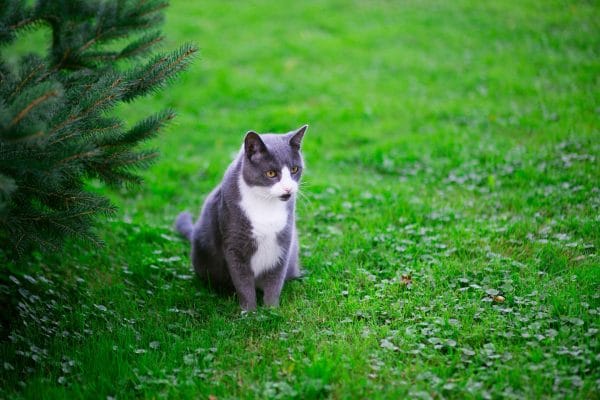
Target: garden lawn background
[{"x": 452, "y": 158}]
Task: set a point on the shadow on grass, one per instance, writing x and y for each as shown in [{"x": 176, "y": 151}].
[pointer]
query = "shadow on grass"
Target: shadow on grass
[{"x": 113, "y": 308}]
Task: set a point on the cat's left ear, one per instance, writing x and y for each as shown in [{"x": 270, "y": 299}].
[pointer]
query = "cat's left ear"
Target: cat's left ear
[{"x": 297, "y": 136}]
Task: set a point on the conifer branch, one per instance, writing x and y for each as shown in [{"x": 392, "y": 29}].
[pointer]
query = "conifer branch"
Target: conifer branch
[
  {"x": 63, "y": 102},
  {"x": 79, "y": 156},
  {"x": 93, "y": 40},
  {"x": 159, "y": 70},
  {"x": 25, "y": 81},
  {"x": 141, "y": 46},
  {"x": 31, "y": 105},
  {"x": 28, "y": 137},
  {"x": 86, "y": 111},
  {"x": 22, "y": 23}
]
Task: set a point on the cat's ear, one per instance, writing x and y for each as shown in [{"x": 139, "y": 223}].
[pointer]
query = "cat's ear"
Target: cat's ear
[
  {"x": 297, "y": 136},
  {"x": 253, "y": 145}
]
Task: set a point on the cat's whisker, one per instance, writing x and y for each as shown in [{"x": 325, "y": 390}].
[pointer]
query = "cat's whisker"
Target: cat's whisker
[
  {"x": 305, "y": 198},
  {"x": 303, "y": 182},
  {"x": 265, "y": 195}
]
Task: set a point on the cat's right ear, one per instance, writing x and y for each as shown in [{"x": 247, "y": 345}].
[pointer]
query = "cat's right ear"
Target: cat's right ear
[
  {"x": 254, "y": 146},
  {"x": 297, "y": 136}
]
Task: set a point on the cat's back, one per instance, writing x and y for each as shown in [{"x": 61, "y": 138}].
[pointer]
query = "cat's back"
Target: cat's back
[{"x": 221, "y": 202}]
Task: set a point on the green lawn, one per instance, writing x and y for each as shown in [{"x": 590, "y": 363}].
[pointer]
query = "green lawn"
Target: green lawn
[{"x": 453, "y": 157}]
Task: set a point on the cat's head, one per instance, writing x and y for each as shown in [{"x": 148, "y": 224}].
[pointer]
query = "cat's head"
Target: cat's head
[{"x": 272, "y": 163}]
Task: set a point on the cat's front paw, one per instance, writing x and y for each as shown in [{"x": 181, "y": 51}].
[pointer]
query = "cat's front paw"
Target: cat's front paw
[
  {"x": 248, "y": 306},
  {"x": 271, "y": 302}
]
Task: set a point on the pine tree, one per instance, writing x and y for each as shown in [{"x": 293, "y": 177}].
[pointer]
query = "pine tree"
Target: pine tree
[{"x": 56, "y": 129}]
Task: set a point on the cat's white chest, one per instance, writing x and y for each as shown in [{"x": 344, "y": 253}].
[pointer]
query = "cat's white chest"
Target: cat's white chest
[{"x": 268, "y": 218}]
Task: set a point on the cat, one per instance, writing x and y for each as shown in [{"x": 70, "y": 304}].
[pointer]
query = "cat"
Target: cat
[{"x": 245, "y": 237}]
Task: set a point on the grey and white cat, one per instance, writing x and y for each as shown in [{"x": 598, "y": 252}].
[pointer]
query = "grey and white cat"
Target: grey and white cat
[{"x": 246, "y": 235}]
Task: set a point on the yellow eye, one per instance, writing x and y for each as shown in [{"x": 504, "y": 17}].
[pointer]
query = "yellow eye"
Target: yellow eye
[
  {"x": 294, "y": 170},
  {"x": 271, "y": 174}
]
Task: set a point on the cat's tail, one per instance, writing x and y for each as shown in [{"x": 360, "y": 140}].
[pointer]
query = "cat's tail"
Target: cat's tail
[{"x": 184, "y": 224}]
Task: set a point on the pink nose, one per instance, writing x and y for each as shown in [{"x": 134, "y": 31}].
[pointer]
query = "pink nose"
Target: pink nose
[{"x": 287, "y": 189}]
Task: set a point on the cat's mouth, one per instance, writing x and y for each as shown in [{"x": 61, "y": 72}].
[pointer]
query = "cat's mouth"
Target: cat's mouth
[{"x": 285, "y": 197}]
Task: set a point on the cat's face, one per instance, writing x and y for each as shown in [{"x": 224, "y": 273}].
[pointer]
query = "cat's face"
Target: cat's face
[{"x": 273, "y": 164}]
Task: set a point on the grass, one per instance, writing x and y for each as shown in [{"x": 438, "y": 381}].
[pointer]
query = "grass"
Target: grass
[{"x": 453, "y": 157}]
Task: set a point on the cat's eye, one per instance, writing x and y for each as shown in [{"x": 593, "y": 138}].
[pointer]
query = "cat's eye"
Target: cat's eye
[
  {"x": 271, "y": 174},
  {"x": 294, "y": 170}
]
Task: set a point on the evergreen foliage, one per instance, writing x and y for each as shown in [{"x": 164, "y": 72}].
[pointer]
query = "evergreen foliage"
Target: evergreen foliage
[{"x": 56, "y": 130}]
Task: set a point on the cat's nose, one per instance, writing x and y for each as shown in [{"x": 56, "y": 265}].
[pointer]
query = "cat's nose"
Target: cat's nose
[{"x": 287, "y": 189}]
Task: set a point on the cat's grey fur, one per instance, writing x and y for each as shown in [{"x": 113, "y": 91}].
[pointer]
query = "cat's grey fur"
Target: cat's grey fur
[{"x": 246, "y": 235}]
